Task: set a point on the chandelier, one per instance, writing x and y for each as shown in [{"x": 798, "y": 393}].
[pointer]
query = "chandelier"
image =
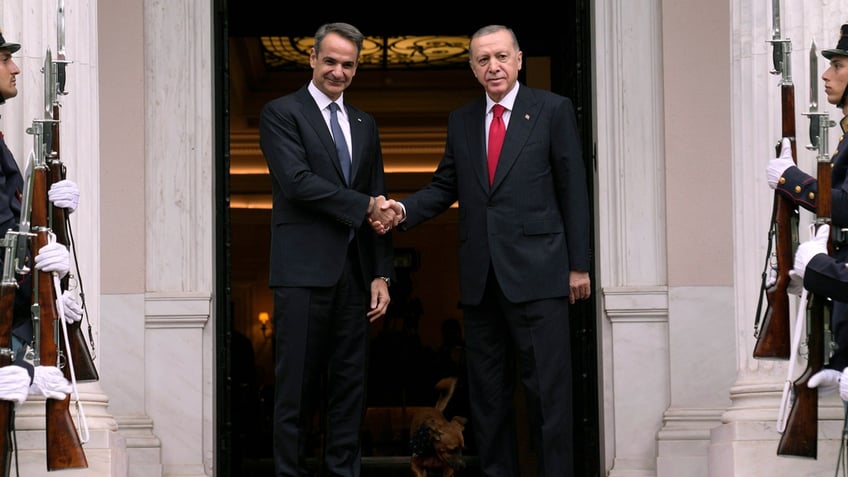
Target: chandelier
[{"x": 283, "y": 53}]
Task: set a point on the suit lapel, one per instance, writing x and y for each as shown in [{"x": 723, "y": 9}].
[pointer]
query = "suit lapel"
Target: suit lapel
[
  {"x": 475, "y": 137},
  {"x": 525, "y": 112},
  {"x": 358, "y": 136}
]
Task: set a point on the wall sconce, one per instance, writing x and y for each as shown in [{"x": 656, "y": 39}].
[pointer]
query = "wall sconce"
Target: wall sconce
[{"x": 263, "y": 319}]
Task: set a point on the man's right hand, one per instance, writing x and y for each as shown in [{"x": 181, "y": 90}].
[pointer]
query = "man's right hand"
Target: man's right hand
[
  {"x": 778, "y": 165},
  {"x": 50, "y": 383},
  {"x": 14, "y": 384},
  {"x": 809, "y": 249}
]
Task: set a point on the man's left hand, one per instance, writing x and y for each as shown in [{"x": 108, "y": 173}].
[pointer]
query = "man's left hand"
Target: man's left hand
[
  {"x": 379, "y": 299},
  {"x": 580, "y": 286}
]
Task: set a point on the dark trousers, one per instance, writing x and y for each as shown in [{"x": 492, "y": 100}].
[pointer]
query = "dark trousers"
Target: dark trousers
[
  {"x": 321, "y": 339},
  {"x": 535, "y": 337}
]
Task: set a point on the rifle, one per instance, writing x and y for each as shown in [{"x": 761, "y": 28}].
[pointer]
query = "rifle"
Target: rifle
[
  {"x": 64, "y": 448},
  {"x": 83, "y": 361},
  {"x": 8, "y": 289},
  {"x": 773, "y": 337},
  {"x": 800, "y": 438}
]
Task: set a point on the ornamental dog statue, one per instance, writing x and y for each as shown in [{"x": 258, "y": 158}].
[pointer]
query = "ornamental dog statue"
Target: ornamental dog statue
[{"x": 437, "y": 443}]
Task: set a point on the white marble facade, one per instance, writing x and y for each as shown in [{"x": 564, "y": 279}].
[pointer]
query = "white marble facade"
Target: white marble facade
[{"x": 686, "y": 118}]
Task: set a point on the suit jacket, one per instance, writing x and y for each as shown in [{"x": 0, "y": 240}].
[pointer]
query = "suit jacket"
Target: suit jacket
[
  {"x": 313, "y": 209},
  {"x": 532, "y": 225}
]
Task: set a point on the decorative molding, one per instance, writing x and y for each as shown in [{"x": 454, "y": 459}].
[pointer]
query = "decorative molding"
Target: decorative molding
[
  {"x": 189, "y": 310},
  {"x": 636, "y": 304}
]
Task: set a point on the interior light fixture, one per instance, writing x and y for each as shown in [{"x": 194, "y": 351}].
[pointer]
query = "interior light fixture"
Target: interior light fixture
[
  {"x": 386, "y": 52},
  {"x": 263, "y": 320}
]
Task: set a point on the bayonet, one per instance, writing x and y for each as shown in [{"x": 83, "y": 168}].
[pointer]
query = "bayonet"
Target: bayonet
[
  {"x": 781, "y": 47},
  {"x": 815, "y": 117},
  {"x": 26, "y": 206},
  {"x": 49, "y": 73},
  {"x": 49, "y": 82},
  {"x": 814, "y": 78},
  {"x": 61, "y": 61}
]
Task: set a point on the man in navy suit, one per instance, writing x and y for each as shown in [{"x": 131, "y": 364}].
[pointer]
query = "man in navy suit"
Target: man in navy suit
[
  {"x": 329, "y": 271},
  {"x": 820, "y": 272},
  {"x": 524, "y": 253}
]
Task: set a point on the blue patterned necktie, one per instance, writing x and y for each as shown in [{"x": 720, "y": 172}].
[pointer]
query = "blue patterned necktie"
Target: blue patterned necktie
[{"x": 341, "y": 145}]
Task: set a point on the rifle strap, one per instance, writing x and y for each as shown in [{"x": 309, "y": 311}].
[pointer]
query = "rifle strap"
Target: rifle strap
[
  {"x": 82, "y": 423},
  {"x": 764, "y": 274},
  {"x": 73, "y": 248},
  {"x": 783, "y": 411}
]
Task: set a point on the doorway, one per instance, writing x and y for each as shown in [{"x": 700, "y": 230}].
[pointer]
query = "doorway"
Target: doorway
[{"x": 410, "y": 107}]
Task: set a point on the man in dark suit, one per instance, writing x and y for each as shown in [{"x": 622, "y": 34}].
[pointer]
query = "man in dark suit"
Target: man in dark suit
[
  {"x": 329, "y": 271},
  {"x": 523, "y": 253}
]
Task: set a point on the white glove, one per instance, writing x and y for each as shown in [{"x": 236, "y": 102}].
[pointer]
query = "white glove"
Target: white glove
[
  {"x": 809, "y": 249},
  {"x": 14, "y": 384},
  {"x": 64, "y": 194},
  {"x": 843, "y": 385},
  {"x": 50, "y": 383},
  {"x": 827, "y": 380},
  {"x": 72, "y": 307},
  {"x": 778, "y": 165},
  {"x": 771, "y": 277},
  {"x": 53, "y": 257},
  {"x": 796, "y": 284}
]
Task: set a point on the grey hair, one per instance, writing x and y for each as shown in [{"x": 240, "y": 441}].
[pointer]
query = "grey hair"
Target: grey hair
[
  {"x": 345, "y": 30},
  {"x": 489, "y": 29}
]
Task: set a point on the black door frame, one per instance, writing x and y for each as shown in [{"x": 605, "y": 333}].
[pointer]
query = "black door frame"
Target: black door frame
[{"x": 569, "y": 47}]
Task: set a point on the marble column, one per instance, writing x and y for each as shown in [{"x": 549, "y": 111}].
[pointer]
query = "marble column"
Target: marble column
[
  {"x": 34, "y": 25},
  {"x": 746, "y": 442}
]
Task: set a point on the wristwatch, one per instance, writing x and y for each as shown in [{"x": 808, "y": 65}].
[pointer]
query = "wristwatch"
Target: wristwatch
[{"x": 387, "y": 280}]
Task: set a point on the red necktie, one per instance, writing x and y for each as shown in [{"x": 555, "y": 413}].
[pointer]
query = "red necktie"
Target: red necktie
[{"x": 496, "y": 137}]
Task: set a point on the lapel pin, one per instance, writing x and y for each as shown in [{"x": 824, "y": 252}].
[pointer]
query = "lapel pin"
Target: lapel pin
[{"x": 527, "y": 117}]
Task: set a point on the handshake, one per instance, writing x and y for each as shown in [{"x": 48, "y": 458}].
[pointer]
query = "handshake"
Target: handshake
[{"x": 383, "y": 214}]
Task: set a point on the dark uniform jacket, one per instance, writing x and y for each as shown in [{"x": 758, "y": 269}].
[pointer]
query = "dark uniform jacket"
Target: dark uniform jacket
[{"x": 824, "y": 273}]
